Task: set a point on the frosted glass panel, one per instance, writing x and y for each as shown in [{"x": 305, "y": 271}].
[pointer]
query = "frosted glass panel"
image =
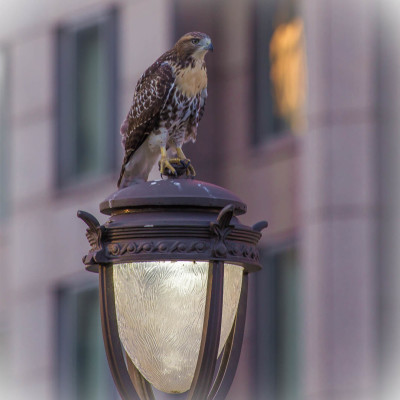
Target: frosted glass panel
[{"x": 160, "y": 313}]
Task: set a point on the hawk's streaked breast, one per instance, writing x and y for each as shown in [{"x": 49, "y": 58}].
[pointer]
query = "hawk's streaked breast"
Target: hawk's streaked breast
[{"x": 192, "y": 79}]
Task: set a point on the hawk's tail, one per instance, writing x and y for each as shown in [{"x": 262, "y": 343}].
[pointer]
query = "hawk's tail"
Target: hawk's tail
[{"x": 121, "y": 175}]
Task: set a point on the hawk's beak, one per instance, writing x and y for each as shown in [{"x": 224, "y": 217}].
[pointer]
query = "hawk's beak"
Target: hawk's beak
[{"x": 208, "y": 45}]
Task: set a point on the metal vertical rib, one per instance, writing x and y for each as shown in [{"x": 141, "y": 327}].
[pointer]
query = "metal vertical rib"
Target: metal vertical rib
[
  {"x": 112, "y": 343},
  {"x": 208, "y": 354},
  {"x": 142, "y": 386},
  {"x": 231, "y": 355}
]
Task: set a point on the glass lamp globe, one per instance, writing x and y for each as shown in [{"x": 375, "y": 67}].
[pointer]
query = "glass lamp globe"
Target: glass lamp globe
[{"x": 160, "y": 313}]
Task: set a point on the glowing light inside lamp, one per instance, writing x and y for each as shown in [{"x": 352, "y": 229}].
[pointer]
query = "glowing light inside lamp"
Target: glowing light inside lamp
[{"x": 160, "y": 313}]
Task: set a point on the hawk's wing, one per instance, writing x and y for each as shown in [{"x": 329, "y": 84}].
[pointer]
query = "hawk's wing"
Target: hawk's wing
[{"x": 150, "y": 96}]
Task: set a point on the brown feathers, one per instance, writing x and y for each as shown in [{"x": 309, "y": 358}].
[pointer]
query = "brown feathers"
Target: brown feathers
[
  {"x": 188, "y": 45},
  {"x": 169, "y": 97}
]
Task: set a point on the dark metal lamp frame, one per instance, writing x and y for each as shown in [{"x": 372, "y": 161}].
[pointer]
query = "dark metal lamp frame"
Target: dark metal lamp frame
[{"x": 176, "y": 219}]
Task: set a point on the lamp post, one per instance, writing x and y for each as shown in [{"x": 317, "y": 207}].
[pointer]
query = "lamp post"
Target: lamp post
[{"x": 173, "y": 261}]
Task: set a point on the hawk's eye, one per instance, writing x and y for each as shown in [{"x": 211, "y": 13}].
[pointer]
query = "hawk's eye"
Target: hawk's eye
[{"x": 195, "y": 41}]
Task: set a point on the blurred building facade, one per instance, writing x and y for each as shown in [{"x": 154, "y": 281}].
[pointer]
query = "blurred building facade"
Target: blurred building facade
[{"x": 301, "y": 122}]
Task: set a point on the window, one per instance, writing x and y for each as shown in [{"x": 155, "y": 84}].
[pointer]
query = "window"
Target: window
[
  {"x": 277, "y": 327},
  {"x": 86, "y": 99},
  {"x": 4, "y": 145},
  {"x": 279, "y": 69},
  {"x": 83, "y": 372}
]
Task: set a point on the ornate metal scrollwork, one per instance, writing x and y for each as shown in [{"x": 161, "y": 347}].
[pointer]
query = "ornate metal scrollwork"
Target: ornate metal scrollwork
[
  {"x": 222, "y": 229},
  {"x": 157, "y": 247},
  {"x": 95, "y": 234}
]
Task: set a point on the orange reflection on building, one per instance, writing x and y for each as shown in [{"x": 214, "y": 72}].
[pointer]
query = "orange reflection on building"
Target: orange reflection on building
[{"x": 288, "y": 73}]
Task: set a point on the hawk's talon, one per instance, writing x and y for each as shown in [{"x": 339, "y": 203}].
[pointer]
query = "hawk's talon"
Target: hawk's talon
[
  {"x": 174, "y": 160},
  {"x": 174, "y": 167},
  {"x": 190, "y": 171},
  {"x": 186, "y": 163},
  {"x": 166, "y": 168}
]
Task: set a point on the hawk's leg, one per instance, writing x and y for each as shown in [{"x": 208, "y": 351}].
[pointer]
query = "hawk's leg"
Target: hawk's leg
[
  {"x": 164, "y": 164},
  {"x": 190, "y": 171}
]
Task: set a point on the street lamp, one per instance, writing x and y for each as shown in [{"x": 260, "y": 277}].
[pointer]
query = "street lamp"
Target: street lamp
[{"x": 173, "y": 261}]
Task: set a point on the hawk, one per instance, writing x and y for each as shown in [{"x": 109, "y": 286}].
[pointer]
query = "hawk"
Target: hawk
[{"x": 167, "y": 107}]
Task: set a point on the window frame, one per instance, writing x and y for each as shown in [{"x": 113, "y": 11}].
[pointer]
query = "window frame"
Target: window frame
[
  {"x": 66, "y": 338},
  {"x": 66, "y": 80},
  {"x": 263, "y": 121},
  {"x": 265, "y": 350}
]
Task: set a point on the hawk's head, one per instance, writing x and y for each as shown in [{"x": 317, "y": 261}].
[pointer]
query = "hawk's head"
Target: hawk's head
[{"x": 194, "y": 44}]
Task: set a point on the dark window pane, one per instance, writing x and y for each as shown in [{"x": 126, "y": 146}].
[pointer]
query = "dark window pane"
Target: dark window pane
[
  {"x": 83, "y": 372},
  {"x": 90, "y": 101},
  {"x": 276, "y": 347},
  {"x": 279, "y": 69},
  {"x": 86, "y": 99},
  {"x": 288, "y": 324}
]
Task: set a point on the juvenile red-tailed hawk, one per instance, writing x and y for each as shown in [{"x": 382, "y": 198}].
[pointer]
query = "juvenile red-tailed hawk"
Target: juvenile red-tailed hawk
[{"x": 167, "y": 106}]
